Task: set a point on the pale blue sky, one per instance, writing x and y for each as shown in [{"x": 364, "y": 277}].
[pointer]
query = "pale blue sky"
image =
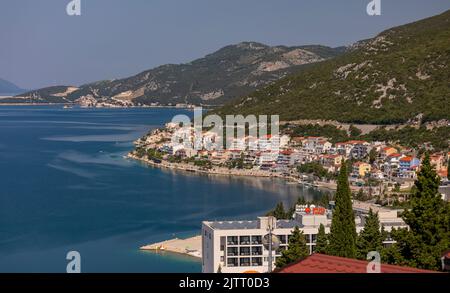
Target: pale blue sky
[{"x": 40, "y": 45}]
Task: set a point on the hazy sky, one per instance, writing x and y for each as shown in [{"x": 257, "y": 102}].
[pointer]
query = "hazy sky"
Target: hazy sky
[{"x": 40, "y": 45}]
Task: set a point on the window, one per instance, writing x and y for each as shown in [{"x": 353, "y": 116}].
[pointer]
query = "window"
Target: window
[
  {"x": 232, "y": 262},
  {"x": 245, "y": 262},
  {"x": 232, "y": 240},
  {"x": 256, "y": 250},
  {"x": 245, "y": 251},
  {"x": 244, "y": 240},
  {"x": 256, "y": 240},
  {"x": 232, "y": 251},
  {"x": 283, "y": 239},
  {"x": 256, "y": 261}
]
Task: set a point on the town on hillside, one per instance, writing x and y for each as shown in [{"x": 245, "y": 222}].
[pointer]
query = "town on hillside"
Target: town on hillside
[{"x": 378, "y": 170}]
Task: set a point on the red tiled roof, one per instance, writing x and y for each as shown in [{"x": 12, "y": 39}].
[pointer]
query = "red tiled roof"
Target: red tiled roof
[
  {"x": 321, "y": 263},
  {"x": 388, "y": 148},
  {"x": 356, "y": 142},
  {"x": 406, "y": 159},
  {"x": 443, "y": 173}
]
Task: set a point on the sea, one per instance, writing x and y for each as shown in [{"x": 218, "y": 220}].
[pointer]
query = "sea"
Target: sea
[{"x": 66, "y": 186}]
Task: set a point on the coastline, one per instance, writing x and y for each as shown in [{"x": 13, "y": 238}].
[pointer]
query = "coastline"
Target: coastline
[{"x": 227, "y": 172}]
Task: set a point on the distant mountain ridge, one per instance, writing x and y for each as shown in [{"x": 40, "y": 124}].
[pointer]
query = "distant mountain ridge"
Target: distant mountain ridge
[
  {"x": 7, "y": 87},
  {"x": 400, "y": 75},
  {"x": 230, "y": 72}
]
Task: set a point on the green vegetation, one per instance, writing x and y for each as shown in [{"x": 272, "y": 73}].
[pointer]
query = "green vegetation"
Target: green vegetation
[
  {"x": 279, "y": 212},
  {"x": 202, "y": 163},
  {"x": 316, "y": 169},
  {"x": 228, "y": 73},
  {"x": 393, "y": 78},
  {"x": 329, "y": 131},
  {"x": 409, "y": 136},
  {"x": 370, "y": 238},
  {"x": 140, "y": 152},
  {"x": 343, "y": 230},
  {"x": 322, "y": 240},
  {"x": 373, "y": 155},
  {"x": 429, "y": 221},
  {"x": 296, "y": 250},
  {"x": 354, "y": 131},
  {"x": 153, "y": 154},
  {"x": 413, "y": 137}
]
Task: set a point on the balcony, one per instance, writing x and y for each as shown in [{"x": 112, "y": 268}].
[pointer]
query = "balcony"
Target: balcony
[{"x": 256, "y": 240}]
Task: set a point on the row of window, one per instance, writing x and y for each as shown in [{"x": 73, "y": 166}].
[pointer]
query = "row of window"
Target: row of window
[
  {"x": 257, "y": 240},
  {"x": 245, "y": 262}
]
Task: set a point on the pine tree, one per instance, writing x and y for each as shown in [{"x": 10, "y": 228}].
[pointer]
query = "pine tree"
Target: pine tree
[
  {"x": 370, "y": 238},
  {"x": 322, "y": 240},
  {"x": 296, "y": 250},
  {"x": 342, "y": 238},
  {"x": 429, "y": 224},
  {"x": 301, "y": 200},
  {"x": 279, "y": 211},
  {"x": 373, "y": 156}
]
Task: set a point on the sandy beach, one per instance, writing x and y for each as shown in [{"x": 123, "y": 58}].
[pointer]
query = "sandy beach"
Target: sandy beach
[{"x": 189, "y": 246}]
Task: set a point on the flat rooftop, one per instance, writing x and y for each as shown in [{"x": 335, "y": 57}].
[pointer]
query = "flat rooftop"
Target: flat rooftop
[{"x": 242, "y": 225}]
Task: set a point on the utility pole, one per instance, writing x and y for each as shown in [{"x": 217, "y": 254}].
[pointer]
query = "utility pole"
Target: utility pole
[
  {"x": 270, "y": 241},
  {"x": 270, "y": 247}
]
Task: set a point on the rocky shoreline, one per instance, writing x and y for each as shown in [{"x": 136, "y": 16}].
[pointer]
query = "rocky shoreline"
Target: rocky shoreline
[{"x": 226, "y": 172}]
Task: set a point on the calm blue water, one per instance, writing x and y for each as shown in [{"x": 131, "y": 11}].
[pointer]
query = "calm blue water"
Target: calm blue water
[{"x": 64, "y": 186}]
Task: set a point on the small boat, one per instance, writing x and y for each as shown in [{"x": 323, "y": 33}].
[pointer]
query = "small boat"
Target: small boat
[{"x": 67, "y": 107}]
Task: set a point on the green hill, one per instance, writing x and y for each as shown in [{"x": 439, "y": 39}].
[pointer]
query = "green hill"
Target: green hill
[
  {"x": 230, "y": 72},
  {"x": 401, "y": 74}
]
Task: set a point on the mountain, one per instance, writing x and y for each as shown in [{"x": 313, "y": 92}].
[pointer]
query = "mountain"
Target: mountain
[
  {"x": 398, "y": 76},
  {"x": 230, "y": 72},
  {"x": 7, "y": 87}
]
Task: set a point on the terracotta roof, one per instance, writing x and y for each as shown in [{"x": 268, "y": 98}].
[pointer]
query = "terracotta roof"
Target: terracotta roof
[
  {"x": 388, "y": 148},
  {"x": 356, "y": 142},
  {"x": 321, "y": 263},
  {"x": 443, "y": 173},
  {"x": 406, "y": 159}
]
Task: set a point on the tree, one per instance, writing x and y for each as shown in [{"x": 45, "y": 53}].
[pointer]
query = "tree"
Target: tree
[
  {"x": 448, "y": 168},
  {"x": 370, "y": 238},
  {"x": 360, "y": 195},
  {"x": 296, "y": 250},
  {"x": 429, "y": 224},
  {"x": 301, "y": 200},
  {"x": 322, "y": 240},
  {"x": 354, "y": 131},
  {"x": 279, "y": 212},
  {"x": 343, "y": 229},
  {"x": 219, "y": 269},
  {"x": 373, "y": 155}
]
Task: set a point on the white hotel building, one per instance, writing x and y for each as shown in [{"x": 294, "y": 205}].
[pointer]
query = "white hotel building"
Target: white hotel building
[{"x": 236, "y": 246}]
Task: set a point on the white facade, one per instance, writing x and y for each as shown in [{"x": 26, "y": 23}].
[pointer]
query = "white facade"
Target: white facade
[{"x": 236, "y": 246}]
